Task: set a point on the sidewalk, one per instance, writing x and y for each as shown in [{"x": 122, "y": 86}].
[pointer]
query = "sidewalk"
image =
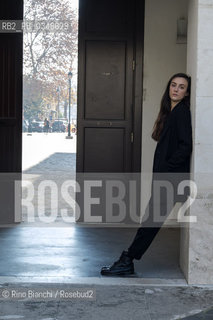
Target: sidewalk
[{"x": 123, "y": 302}]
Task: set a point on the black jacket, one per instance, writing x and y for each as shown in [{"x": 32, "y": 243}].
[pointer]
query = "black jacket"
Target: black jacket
[{"x": 174, "y": 148}]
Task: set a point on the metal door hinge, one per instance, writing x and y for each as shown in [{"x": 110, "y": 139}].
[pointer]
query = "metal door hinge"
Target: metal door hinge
[
  {"x": 132, "y": 137},
  {"x": 133, "y": 65}
]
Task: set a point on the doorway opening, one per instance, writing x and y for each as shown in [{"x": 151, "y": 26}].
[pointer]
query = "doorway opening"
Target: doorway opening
[
  {"x": 119, "y": 43},
  {"x": 50, "y": 64}
]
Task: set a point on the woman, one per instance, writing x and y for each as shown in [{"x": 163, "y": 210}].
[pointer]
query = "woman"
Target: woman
[{"x": 173, "y": 132}]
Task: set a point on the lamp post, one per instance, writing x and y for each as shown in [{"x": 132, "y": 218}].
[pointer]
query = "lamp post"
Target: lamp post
[
  {"x": 69, "y": 79},
  {"x": 58, "y": 90}
]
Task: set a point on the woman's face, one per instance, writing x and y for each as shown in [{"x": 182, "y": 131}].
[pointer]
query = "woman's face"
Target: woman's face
[{"x": 178, "y": 89}]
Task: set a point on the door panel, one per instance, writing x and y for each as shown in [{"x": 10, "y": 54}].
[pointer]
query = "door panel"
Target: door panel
[
  {"x": 106, "y": 16},
  {"x": 110, "y": 144},
  {"x": 7, "y": 143},
  {"x": 106, "y": 67},
  {"x": 10, "y": 102}
]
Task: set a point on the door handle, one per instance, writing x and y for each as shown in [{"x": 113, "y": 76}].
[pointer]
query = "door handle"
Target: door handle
[
  {"x": 107, "y": 74},
  {"x": 104, "y": 123}
]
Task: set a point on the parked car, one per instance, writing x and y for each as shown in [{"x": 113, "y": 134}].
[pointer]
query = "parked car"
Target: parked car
[
  {"x": 58, "y": 126},
  {"x": 73, "y": 128},
  {"x": 36, "y": 126}
]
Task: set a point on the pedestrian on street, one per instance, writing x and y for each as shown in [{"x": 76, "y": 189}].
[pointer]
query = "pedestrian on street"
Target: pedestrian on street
[
  {"x": 46, "y": 125},
  {"x": 171, "y": 165}
]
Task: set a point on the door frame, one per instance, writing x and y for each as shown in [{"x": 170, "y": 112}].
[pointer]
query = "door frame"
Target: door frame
[{"x": 138, "y": 86}]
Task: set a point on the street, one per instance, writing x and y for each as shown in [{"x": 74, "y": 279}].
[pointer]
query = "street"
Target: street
[
  {"x": 47, "y": 159},
  {"x": 40, "y": 149}
]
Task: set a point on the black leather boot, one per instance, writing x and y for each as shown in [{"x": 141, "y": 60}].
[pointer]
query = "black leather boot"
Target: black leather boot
[{"x": 123, "y": 266}]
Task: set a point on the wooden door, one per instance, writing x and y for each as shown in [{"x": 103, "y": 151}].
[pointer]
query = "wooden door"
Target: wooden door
[
  {"x": 10, "y": 108},
  {"x": 109, "y": 87},
  {"x": 105, "y": 91}
]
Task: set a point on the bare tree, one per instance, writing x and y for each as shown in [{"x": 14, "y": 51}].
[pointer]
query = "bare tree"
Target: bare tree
[{"x": 50, "y": 48}]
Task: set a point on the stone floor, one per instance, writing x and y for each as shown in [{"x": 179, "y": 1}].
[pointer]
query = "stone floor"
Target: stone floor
[
  {"x": 41, "y": 259},
  {"x": 80, "y": 251}
]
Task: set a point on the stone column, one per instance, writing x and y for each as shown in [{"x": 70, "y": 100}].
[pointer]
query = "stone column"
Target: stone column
[{"x": 196, "y": 248}]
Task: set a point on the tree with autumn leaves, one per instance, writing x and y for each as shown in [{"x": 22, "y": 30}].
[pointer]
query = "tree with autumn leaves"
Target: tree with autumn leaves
[{"x": 50, "y": 51}]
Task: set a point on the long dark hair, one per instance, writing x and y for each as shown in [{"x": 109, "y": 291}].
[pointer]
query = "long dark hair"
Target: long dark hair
[{"x": 165, "y": 107}]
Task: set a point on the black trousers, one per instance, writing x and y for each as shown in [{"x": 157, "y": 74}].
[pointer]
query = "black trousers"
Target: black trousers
[{"x": 164, "y": 195}]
